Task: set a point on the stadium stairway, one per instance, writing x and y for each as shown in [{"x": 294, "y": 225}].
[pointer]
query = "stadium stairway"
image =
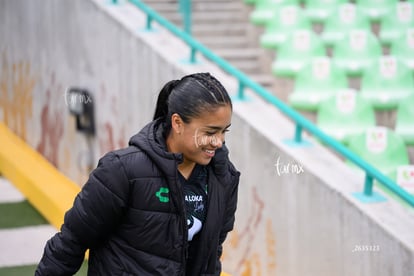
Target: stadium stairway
[{"x": 223, "y": 26}]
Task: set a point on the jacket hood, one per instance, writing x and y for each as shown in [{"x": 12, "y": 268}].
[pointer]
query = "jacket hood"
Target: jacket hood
[{"x": 151, "y": 140}]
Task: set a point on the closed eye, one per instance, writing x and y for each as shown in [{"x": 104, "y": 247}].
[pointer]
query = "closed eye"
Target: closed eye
[
  {"x": 211, "y": 133},
  {"x": 212, "y": 130}
]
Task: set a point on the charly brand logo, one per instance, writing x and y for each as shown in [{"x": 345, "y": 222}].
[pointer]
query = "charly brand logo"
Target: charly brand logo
[
  {"x": 71, "y": 99},
  {"x": 162, "y": 194},
  {"x": 376, "y": 139},
  {"x": 405, "y": 177},
  {"x": 288, "y": 167}
]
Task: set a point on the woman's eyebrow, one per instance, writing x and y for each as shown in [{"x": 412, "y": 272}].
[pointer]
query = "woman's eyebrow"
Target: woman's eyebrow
[{"x": 217, "y": 127}]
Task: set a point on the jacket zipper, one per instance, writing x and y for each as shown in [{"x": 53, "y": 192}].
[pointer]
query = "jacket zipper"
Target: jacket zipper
[{"x": 183, "y": 214}]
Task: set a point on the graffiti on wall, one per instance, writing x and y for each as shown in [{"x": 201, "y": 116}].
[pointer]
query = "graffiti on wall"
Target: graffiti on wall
[
  {"x": 51, "y": 123},
  {"x": 257, "y": 261},
  {"x": 17, "y": 88},
  {"x": 16, "y": 95},
  {"x": 111, "y": 135},
  {"x": 270, "y": 247}
]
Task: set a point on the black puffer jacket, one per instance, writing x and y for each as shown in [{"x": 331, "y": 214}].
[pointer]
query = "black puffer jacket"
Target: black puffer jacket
[{"x": 131, "y": 215}]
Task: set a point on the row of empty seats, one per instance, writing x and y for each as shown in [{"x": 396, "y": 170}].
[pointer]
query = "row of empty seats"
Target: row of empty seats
[
  {"x": 347, "y": 114},
  {"x": 368, "y": 40},
  {"x": 321, "y": 11},
  {"x": 343, "y": 20},
  {"x": 347, "y": 30},
  {"x": 385, "y": 82},
  {"x": 357, "y": 51}
]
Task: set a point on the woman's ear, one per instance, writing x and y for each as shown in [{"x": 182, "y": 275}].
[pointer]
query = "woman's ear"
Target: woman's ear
[{"x": 177, "y": 123}]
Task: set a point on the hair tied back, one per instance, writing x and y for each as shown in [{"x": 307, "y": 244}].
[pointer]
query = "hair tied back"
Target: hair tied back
[{"x": 161, "y": 110}]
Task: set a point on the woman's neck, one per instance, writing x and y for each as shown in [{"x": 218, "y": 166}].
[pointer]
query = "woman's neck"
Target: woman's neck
[{"x": 186, "y": 168}]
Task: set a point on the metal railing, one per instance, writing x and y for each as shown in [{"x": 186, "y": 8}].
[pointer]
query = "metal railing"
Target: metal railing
[
  {"x": 185, "y": 9},
  {"x": 371, "y": 173}
]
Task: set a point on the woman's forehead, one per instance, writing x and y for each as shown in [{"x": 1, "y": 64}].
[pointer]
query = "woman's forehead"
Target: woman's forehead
[{"x": 217, "y": 118}]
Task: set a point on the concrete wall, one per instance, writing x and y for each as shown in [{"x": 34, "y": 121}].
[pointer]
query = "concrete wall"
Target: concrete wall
[
  {"x": 50, "y": 47},
  {"x": 297, "y": 218}
]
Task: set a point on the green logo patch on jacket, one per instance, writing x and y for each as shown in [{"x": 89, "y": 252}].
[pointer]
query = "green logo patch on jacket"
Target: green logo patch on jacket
[{"x": 162, "y": 194}]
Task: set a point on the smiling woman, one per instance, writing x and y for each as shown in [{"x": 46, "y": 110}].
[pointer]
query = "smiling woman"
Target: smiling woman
[
  {"x": 164, "y": 204},
  {"x": 200, "y": 138}
]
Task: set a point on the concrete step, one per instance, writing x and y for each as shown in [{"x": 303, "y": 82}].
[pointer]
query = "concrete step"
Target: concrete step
[
  {"x": 266, "y": 80},
  {"x": 21, "y": 245},
  {"x": 163, "y": 6},
  {"x": 231, "y": 55},
  {"x": 227, "y": 6},
  {"x": 220, "y": 42},
  {"x": 24, "y": 245},
  {"x": 237, "y": 29},
  {"x": 211, "y": 18},
  {"x": 246, "y": 66},
  {"x": 222, "y": 26},
  {"x": 8, "y": 192}
]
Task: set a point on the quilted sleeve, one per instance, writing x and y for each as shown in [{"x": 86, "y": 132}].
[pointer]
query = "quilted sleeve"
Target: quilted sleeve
[{"x": 97, "y": 210}]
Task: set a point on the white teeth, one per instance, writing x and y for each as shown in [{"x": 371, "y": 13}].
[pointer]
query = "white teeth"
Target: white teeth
[{"x": 209, "y": 151}]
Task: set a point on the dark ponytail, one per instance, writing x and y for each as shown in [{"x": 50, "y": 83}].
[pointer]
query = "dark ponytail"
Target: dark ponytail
[
  {"x": 161, "y": 109},
  {"x": 190, "y": 97}
]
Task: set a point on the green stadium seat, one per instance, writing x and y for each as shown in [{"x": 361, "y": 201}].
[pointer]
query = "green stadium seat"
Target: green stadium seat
[
  {"x": 299, "y": 48},
  {"x": 376, "y": 9},
  {"x": 319, "y": 10},
  {"x": 346, "y": 17},
  {"x": 405, "y": 177},
  {"x": 394, "y": 26},
  {"x": 317, "y": 81},
  {"x": 266, "y": 10},
  {"x": 404, "y": 125},
  {"x": 356, "y": 52},
  {"x": 381, "y": 147},
  {"x": 287, "y": 19},
  {"x": 387, "y": 83},
  {"x": 403, "y": 49},
  {"x": 345, "y": 115}
]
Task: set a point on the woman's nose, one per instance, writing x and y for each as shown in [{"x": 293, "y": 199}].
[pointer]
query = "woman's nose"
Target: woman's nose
[{"x": 217, "y": 141}]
